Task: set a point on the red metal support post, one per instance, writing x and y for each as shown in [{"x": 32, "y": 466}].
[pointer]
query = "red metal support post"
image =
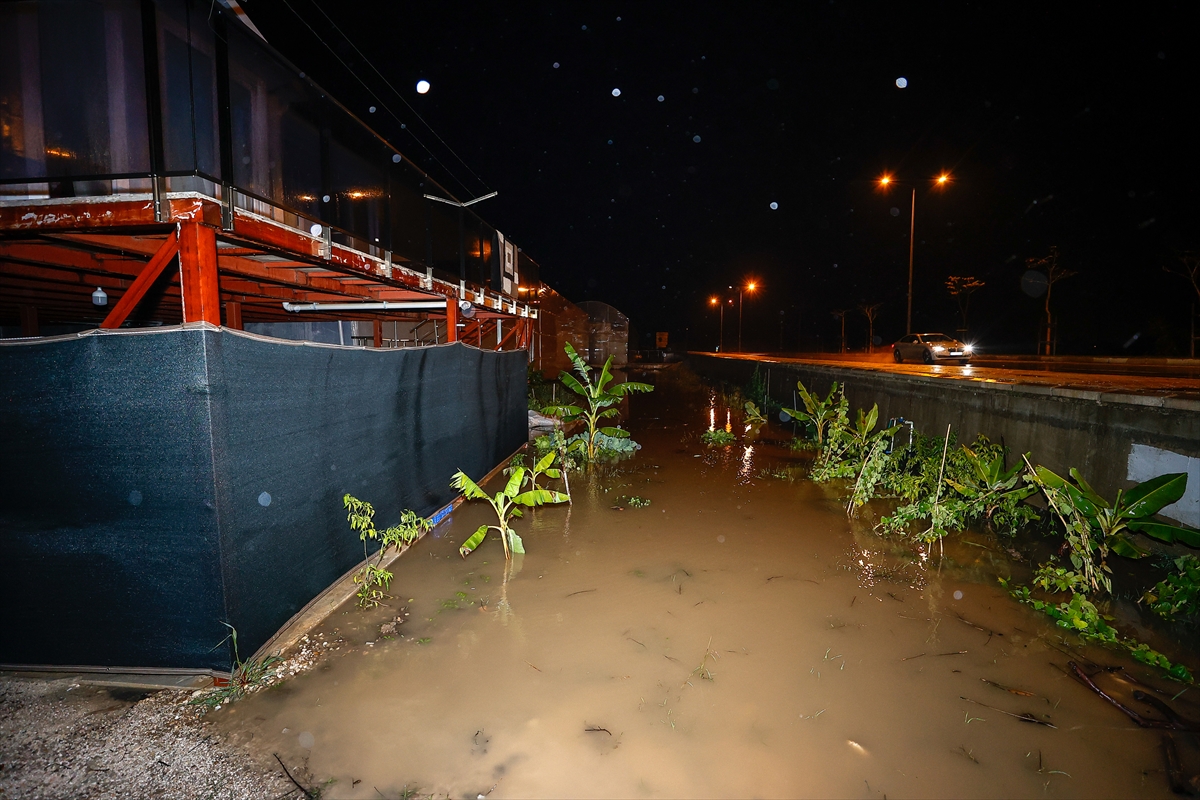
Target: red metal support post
[
  {"x": 198, "y": 273},
  {"x": 142, "y": 283},
  {"x": 451, "y": 319},
  {"x": 378, "y": 332}
]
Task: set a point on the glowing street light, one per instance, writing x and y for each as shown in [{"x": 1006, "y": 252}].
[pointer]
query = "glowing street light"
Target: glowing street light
[
  {"x": 716, "y": 301},
  {"x": 939, "y": 182}
]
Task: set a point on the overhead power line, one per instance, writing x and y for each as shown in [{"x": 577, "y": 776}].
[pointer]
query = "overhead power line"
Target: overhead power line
[
  {"x": 388, "y": 83},
  {"x": 378, "y": 100}
]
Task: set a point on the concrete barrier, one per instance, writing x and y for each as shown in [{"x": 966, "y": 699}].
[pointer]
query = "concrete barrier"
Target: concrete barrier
[{"x": 1114, "y": 440}]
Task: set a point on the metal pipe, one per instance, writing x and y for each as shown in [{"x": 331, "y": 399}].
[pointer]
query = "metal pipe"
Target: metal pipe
[{"x": 382, "y": 305}]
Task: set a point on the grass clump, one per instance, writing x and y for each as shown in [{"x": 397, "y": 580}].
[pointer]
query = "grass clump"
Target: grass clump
[{"x": 717, "y": 437}]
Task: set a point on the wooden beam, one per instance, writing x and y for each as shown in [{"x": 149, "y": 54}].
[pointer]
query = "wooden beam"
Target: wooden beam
[
  {"x": 137, "y": 290},
  {"x": 29, "y": 320},
  {"x": 233, "y": 315},
  {"x": 198, "y": 273}
]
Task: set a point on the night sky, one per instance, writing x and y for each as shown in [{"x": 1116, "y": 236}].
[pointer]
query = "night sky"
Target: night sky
[{"x": 1059, "y": 126}]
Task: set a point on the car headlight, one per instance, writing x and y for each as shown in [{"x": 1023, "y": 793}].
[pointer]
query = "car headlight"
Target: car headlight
[
  {"x": 968, "y": 348},
  {"x": 937, "y": 348}
]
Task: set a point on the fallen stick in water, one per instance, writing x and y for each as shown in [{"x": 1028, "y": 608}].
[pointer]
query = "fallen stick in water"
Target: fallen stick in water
[
  {"x": 1022, "y": 717},
  {"x": 1168, "y": 712},
  {"x": 1174, "y": 768},
  {"x": 1008, "y": 689},
  {"x": 1142, "y": 722},
  {"x": 306, "y": 792}
]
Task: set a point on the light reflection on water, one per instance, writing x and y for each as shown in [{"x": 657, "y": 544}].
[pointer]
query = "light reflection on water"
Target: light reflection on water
[{"x": 746, "y": 470}]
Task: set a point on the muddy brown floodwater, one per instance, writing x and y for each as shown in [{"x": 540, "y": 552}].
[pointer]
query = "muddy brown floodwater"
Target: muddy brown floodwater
[{"x": 739, "y": 637}]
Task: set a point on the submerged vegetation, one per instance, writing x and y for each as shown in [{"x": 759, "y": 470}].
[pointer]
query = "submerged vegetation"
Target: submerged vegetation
[
  {"x": 598, "y": 398},
  {"x": 507, "y": 504},
  {"x": 943, "y": 487},
  {"x": 718, "y": 437}
]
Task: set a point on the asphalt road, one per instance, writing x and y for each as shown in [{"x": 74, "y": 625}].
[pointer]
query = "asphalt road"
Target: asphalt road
[{"x": 1148, "y": 377}]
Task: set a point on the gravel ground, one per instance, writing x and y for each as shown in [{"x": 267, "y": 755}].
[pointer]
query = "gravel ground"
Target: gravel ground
[
  {"x": 64, "y": 739},
  {"x": 59, "y": 739}
]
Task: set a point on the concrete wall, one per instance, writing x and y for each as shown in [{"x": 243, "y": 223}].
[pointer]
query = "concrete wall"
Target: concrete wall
[{"x": 1114, "y": 440}]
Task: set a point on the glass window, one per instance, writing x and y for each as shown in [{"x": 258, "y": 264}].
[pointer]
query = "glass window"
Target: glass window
[
  {"x": 358, "y": 179},
  {"x": 276, "y": 119},
  {"x": 408, "y": 211},
  {"x": 72, "y": 91},
  {"x": 188, "y": 82},
  {"x": 443, "y": 231}
]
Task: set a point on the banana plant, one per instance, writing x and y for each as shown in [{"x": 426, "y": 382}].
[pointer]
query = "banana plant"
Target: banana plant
[
  {"x": 507, "y": 505},
  {"x": 546, "y": 467},
  {"x": 871, "y": 449},
  {"x": 753, "y": 416},
  {"x": 1095, "y": 526},
  {"x": 820, "y": 412},
  {"x": 987, "y": 486},
  {"x": 597, "y": 397}
]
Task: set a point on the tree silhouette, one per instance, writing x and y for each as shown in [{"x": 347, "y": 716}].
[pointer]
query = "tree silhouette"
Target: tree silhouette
[
  {"x": 841, "y": 315},
  {"x": 961, "y": 288},
  {"x": 870, "y": 311},
  {"x": 1187, "y": 266},
  {"x": 1055, "y": 272}
]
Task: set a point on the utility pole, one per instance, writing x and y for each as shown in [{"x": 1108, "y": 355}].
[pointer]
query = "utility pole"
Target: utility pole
[{"x": 912, "y": 230}]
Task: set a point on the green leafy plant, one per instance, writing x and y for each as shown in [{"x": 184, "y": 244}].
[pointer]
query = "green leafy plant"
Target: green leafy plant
[
  {"x": 507, "y": 505},
  {"x": 633, "y": 501},
  {"x": 1081, "y": 616},
  {"x": 246, "y": 676},
  {"x": 756, "y": 392},
  {"x": 373, "y": 581},
  {"x": 543, "y": 465},
  {"x": 556, "y": 442},
  {"x": 1094, "y": 526},
  {"x": 753, "y": 416},
  {"x": 718, "y": 437},
  {"x": 1053, "y": 578},
  {"x": 960, "y": 485},
  {"x": 870, "y": 452},
  {"x": 1177, "y": 594},
  {"x": 992, "y": 493},
  {"x": 818, "y": 412},
  {"x": 598, "y": 398}
]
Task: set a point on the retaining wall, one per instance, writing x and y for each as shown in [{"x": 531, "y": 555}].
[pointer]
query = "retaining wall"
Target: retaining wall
[{"x": 1115, "y": 440}]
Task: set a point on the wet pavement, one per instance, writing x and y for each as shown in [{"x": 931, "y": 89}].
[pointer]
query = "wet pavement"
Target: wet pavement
[
  {"x": 1173, "y": 378},
  {"x": 738, "y": 637}
]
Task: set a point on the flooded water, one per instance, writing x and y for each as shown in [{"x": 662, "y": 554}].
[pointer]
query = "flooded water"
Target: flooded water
[{"x": 738, "y": 637}]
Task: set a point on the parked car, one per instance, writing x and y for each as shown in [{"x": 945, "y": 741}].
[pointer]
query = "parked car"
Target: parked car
[{"x": 930, "y": 348}]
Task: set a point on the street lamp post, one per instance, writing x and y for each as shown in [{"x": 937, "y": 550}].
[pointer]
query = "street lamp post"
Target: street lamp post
[
  {"x": 749, "y": 287},
  {"x": 713, "y": 301},
  {"x": 886, "y": 181}
]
